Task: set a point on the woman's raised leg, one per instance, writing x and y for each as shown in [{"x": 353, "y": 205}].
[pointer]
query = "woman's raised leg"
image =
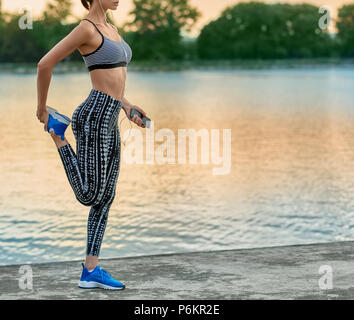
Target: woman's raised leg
[{"x": 87, "y": 169}]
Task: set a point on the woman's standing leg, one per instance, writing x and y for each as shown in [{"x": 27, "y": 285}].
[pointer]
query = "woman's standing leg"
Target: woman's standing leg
[{"x": 98, "y": 215}]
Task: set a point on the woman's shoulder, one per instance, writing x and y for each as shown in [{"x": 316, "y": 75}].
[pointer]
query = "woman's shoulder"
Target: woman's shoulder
[{"x": 86, "y": 27}]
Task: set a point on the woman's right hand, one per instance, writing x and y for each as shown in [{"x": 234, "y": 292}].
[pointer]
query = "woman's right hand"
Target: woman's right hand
[
  {"x": 138, "y": 121},
  {"x": 43, "y": 116}
]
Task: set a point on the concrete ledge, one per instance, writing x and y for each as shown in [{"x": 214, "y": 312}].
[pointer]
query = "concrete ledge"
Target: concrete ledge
[{"x": 288, "y": 272}]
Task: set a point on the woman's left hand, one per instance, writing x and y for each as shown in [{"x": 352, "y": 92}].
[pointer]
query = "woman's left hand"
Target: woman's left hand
[{"x": 135, "y": 118}]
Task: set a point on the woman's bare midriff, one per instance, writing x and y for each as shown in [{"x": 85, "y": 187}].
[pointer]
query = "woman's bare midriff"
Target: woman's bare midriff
[{"x": 110, "y": 81}]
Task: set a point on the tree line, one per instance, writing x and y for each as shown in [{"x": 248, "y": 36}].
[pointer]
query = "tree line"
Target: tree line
[{"x": 252, "y": 30}]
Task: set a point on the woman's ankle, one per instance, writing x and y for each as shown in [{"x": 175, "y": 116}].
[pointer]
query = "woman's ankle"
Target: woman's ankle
[
  {"x": 91, "y": 262},
  {"x": 58, "y": 141}
]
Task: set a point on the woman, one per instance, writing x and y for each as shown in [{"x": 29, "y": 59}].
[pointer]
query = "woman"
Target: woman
[{"x": 93, "y": 171}]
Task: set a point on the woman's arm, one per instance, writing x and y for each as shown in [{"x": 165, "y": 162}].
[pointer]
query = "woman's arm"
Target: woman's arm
[
  {"x": 77, "y": 37},
  {"x": 127, "y": 106}
]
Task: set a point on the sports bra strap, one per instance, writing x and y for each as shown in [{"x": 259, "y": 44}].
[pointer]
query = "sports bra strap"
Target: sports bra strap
[{"x": 94, "y": 26}]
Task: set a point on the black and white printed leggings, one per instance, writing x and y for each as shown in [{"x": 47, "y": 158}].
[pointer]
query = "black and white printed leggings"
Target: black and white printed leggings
[{"x": 93, "y": 171}]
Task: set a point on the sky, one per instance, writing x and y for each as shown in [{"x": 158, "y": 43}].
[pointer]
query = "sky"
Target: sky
[{"x": 210, "y": 9}]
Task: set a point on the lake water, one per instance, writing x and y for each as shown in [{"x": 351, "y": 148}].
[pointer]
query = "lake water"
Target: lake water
[{"x": 291, "y": 179}]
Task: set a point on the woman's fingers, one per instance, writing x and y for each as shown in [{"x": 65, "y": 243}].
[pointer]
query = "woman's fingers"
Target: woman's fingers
[
  {"x": 142, "y": 112},
  {"x": 138, "y": 121}
]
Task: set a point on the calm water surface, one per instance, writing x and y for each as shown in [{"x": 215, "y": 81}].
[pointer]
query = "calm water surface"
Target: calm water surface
[{"x": 291, "y": 178}]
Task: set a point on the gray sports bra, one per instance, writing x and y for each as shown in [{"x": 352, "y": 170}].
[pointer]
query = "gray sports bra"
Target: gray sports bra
[{"x": 110, "y": 54}]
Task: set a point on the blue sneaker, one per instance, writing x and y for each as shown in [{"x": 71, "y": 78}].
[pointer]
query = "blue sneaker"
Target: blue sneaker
[
  {"x": 57, "y": 122},
  {"x": 98, "y": 278}
]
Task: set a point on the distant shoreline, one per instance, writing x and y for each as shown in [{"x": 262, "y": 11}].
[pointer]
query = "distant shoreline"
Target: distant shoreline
[{"x": 78, "y": 66}]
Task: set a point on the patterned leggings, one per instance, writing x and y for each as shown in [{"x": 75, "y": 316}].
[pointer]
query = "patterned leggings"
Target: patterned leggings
[{"x": 93, "y": 171}]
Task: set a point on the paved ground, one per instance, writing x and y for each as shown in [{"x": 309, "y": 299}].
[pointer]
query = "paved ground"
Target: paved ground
[{"x": 289, "y": 272}]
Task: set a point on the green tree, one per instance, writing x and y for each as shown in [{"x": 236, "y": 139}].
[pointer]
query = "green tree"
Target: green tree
[
  {"x": 17, "y": 45},
  {"x": 57, "y": 10},
  {"x": 157, "y": 26},
  {"x": 29, "y": 45},
  {"x": 52, "y": 27},
  {"x": 259, "y": 30},
  {"x": 345, "y": 26}
]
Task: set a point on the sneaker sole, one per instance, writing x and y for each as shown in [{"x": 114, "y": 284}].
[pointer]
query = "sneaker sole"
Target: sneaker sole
[
  {"x": 92, "y": 285},
  {"x": 57, "y": 116}
]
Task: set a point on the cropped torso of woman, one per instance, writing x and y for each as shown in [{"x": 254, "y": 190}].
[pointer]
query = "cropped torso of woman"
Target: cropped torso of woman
[
  {"x": 110, "y": 81},
  {"x": 87, "y": 40}
]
